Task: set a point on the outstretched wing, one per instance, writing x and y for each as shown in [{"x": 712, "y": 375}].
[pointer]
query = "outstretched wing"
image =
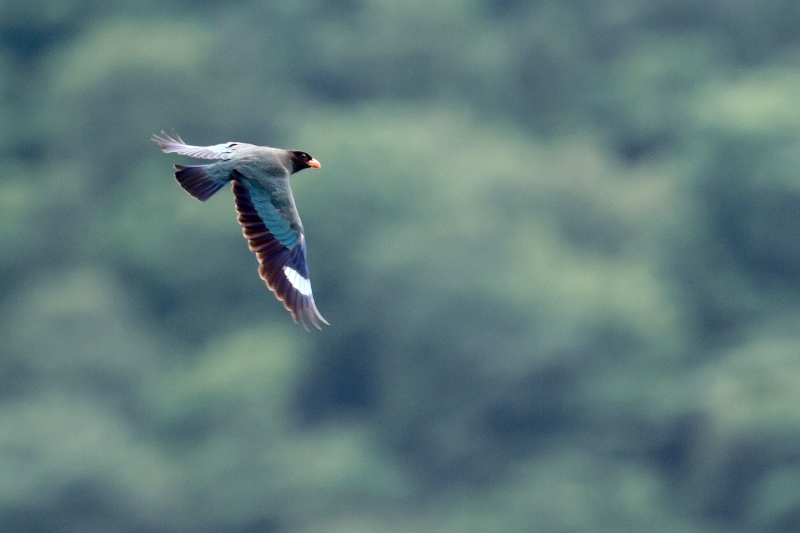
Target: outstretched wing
[
  {"x": 174, "y": 144},
  {"x": 272, "y": 227}
]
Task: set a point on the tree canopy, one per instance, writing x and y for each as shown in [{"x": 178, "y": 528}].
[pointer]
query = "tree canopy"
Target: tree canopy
[{"x": 558, "y": 244}]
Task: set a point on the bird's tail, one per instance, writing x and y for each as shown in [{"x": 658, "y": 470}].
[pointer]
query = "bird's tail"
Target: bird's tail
[{"x": 197, "y": 181}]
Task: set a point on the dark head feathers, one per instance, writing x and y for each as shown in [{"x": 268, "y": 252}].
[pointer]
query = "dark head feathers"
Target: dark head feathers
[{"x": 301, "y": 160}]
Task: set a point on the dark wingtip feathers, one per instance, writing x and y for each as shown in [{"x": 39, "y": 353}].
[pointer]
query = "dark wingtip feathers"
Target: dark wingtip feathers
[
  {"x": 197, "y": 182},
  {"x": 306, "y": 311}
]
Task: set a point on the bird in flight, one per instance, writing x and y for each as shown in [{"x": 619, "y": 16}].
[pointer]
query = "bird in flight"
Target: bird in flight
[{"x": 260, "y": 182}]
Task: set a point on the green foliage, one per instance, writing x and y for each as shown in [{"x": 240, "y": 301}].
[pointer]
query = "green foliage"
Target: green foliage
[{"x": 557, "y": 243}]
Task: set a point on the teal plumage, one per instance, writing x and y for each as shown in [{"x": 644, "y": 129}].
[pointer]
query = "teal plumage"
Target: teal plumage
[{"x": 267, "y": 213}]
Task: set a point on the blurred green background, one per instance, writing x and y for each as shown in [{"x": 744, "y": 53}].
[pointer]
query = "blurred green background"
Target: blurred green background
[{"x": 558, "y": 243}]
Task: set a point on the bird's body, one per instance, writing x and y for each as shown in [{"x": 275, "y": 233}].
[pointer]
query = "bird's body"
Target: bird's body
[{"x": 267, "y": 213}]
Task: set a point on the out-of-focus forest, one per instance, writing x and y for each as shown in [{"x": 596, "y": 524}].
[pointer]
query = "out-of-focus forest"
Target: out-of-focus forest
[{"x": 558, "y": 243}]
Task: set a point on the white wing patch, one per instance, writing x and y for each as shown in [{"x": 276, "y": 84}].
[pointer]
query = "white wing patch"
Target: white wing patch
[{"x": 300, "y": 283}]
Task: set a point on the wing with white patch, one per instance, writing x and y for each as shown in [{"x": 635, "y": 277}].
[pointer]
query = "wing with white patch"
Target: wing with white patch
[
  {"x": 175, "y": 145},
  {"x": 277, "y": 239}
]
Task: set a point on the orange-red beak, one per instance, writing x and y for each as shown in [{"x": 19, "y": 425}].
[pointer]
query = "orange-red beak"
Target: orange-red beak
[{"x": 313, "y": 163}]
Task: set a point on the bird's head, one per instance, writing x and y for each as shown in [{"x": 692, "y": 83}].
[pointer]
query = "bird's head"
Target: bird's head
[{"x": 301, "y": 160}]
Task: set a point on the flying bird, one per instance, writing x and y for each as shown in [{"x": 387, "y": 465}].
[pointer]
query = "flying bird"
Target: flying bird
[{"x": 260, "y": 182}]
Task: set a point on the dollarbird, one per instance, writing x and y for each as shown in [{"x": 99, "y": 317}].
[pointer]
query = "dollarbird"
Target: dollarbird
[{"x": 260, "y": 182}]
